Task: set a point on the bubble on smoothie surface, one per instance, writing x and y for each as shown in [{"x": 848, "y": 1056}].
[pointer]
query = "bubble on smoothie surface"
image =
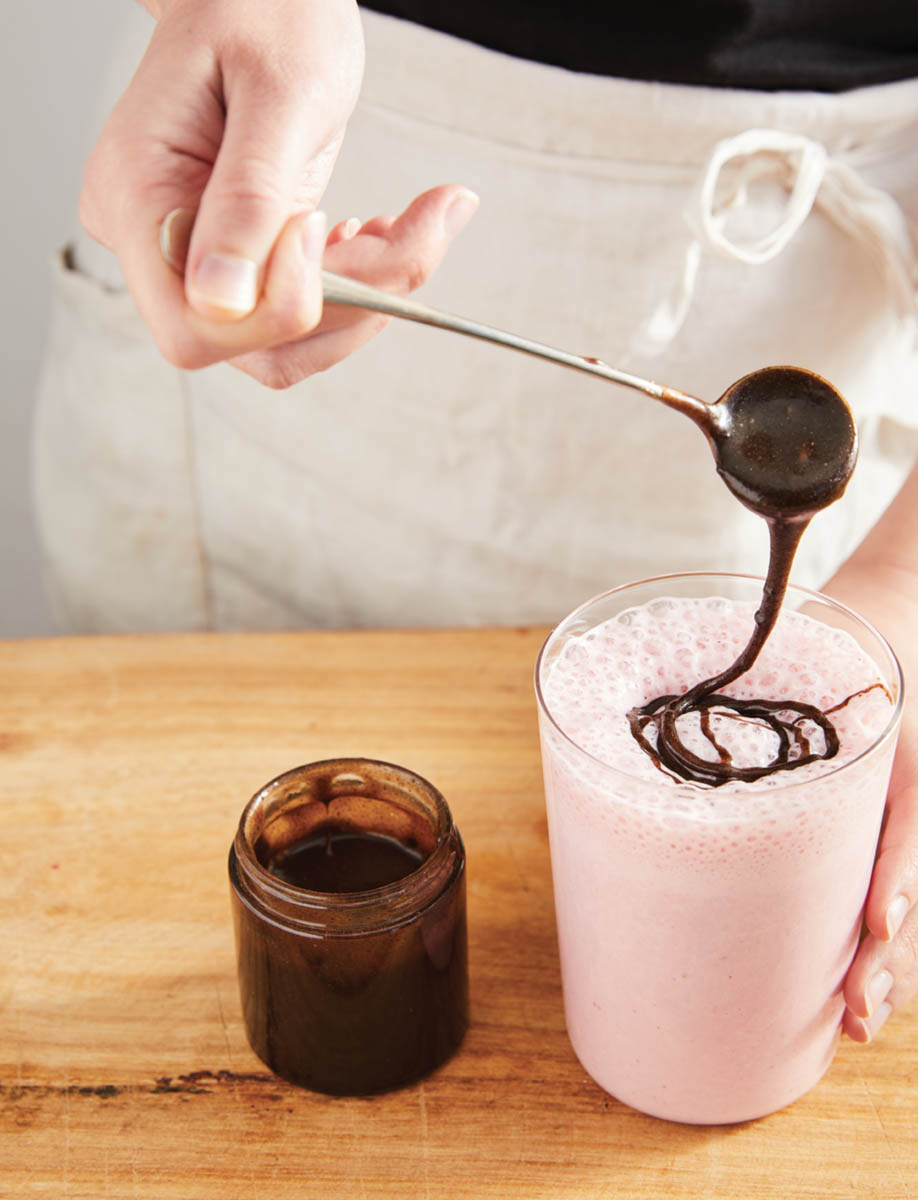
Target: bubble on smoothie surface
[{"x": 666, "y": 646}]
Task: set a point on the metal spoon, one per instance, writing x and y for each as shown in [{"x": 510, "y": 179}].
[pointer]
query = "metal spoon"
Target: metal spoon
[
  {"x": 338, "y": 289},
  {"x": 784, "y": 439}
]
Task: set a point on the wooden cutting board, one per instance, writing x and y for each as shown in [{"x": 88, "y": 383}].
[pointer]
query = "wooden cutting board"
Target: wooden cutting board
[{"x": 124, "y": 1070}]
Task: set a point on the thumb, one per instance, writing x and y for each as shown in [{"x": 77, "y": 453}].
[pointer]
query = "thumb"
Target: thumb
[{"x": 265, "y": 154}]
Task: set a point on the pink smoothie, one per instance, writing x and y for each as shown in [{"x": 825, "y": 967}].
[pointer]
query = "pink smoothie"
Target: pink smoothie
[{"x": 705, "y": 932}]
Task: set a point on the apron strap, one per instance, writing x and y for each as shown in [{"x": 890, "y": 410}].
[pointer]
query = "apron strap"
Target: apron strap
[{"x": 811, "y": 178}]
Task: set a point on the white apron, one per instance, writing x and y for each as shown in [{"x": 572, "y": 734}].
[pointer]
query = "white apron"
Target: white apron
[{"x": 685, "y": 233}]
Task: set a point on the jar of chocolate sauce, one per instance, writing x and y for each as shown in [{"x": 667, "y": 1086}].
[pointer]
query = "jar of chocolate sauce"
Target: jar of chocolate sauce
[{"x": 348, "y": 892}]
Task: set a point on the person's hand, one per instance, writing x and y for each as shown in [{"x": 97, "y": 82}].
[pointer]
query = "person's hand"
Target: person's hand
[
  {"x": 884, "y": 974},
  {"x": 881, "y": 582},
  {"x": 237, "y": 112},
  {"x": 395, "y": 254}
]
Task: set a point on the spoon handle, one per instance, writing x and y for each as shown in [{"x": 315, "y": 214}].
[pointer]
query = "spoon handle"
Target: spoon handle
[
  {"x": 175, "y": 235},
  {"x": 338, "y": 289}
]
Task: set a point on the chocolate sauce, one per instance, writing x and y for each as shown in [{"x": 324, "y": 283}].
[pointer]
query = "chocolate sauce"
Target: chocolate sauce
[
  {"x": 348, "y": 886},
  {"x": 342, "y": 860},
  {"x": 785, "y": 444}
]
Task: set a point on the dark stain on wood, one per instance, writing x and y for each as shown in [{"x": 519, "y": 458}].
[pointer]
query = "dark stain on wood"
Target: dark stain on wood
[{"x": 194, "y": 1083}]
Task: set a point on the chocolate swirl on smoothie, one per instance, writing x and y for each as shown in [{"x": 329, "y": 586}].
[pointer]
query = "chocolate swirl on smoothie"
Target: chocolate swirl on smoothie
[{"x": 785, "y": 444}]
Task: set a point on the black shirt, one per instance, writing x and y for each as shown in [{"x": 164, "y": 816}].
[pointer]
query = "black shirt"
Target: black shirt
[{"x": 768, "y": 45}]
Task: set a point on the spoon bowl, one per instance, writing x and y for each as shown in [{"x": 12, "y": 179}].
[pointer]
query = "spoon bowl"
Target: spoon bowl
[{"x": 784, "y": 440}]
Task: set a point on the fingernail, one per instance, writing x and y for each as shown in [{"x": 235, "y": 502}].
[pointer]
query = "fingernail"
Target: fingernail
[
  {"x": 895, "y": 915},
  {"x": 175, "y": 237},
  {"x": 226, "y": 281},
  {"x": 878, "y": 1020},
  {"x": 462, "y": 209},
  {"x": 351, "y": 227},
  {"x": 315, "y": 229},
  {"x": 877, "y": 990}
]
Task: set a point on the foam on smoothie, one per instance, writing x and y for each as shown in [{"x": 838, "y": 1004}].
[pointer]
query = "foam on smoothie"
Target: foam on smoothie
[{"x": 670, "y": 643}]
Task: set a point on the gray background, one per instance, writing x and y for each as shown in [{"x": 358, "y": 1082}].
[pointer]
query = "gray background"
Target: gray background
[{"x": 52, "y": 55}]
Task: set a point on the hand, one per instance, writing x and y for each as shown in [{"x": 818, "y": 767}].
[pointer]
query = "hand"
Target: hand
[
  {"x": 881, "y": 582},
  {"x": 237, "y": 111},
  {"x": 884, "y": 974},
  {"x": 395, "y": 254}
]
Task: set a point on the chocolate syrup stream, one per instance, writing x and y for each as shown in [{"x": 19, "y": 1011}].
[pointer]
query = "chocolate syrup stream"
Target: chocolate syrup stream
[{"x": 785, "y": 445}]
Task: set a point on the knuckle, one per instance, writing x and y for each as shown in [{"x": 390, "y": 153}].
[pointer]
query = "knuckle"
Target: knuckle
[
  {"x": 289, "y": 81},
  {"x": 322, "y": 362},
  {"x": 277, "y": 370},
  {"x": 374, "y": 324},
  {"x": 293, "y": 309},
  {"x": 181, "y": 350},
  {"x": 378, "y": 226},
  {"x": 301, "y": 318},
  {"x": 909, "y": 940},
  {"x": 285, "y": 84},
  {"x": 249, "y": 56},
  {"x": 89, "y": 214},
  {"x": 416, "y": 272},
  {"x": 251, "y": 181},
  {"x": 93, "y": 193},
  {"x": 900, "y": 958},
  {"x": 278, "y": 373}
]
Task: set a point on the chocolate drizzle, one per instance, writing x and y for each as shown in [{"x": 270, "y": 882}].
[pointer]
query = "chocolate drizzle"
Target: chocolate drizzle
[{"x": 785, "y": 445}]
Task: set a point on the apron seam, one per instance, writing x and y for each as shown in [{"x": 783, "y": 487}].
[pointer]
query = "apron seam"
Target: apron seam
[{"x": 197, "y": 500}]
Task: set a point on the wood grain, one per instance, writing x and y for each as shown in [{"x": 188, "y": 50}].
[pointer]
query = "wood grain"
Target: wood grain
[{"x": 124, "y": 1070}]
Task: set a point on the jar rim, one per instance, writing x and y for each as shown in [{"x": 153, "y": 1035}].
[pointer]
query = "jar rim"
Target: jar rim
[{"x": 343, "y": 913}]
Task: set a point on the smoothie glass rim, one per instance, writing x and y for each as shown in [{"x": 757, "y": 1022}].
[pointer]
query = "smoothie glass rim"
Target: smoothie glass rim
[{"x": 897, "y": 683}]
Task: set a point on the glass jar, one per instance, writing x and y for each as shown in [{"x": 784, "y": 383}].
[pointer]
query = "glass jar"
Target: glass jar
[{"x": 362, "y": 988}]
